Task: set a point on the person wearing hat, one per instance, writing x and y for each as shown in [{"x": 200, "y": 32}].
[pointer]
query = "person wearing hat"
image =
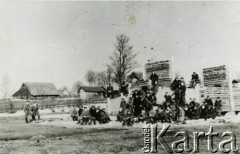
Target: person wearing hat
[
  {"x": 208, "y": 101},
  {"x": 84, "y": 116},
  {"x": 26, "y": 110},
  {"x": 93, "y": 115},
  {"x": 123, "y": 104},
  {"x": 74, "y": 114},
  {"x": 154, "y": 81},
  {"x": 195, "y": 112},
  {"x": 110, "y": 91},
  {"x": 195, "y": 79},
  {"x": 182, "y": 94}
]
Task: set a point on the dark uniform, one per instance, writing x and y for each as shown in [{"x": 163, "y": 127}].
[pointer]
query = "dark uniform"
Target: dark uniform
[
  {"x": 110, "y": 91},
  {"x": 154, "y": 82}
]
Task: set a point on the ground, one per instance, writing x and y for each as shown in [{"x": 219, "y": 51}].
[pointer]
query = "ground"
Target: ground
[{"x": 56, "y": 133}]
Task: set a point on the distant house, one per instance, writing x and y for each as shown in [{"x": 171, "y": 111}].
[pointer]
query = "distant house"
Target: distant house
[
  {"x": 86, "y": 92},
  {"x": 64, "y": 93},
  {"x": 33, "y": 90}
]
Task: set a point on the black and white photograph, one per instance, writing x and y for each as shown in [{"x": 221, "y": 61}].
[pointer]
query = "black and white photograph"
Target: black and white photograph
[{"x": 128, "y": 77}]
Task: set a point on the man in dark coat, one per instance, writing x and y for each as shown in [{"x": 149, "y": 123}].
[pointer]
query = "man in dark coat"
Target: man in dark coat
[
  {"x": 182, "y": 94},
  {"x": 110, "y": 91},
  {"x": 93, "y": 115},
  {"x": 167, "y": 97},
  {"x": 79, "y": 114},
  {"x": 137, "y": 105},
  {"x": 208, "y": 101},
  {"x": 154, "y": 81},
  {"x": 175, "y": 84},
  {"x": 195, "y": 79}
]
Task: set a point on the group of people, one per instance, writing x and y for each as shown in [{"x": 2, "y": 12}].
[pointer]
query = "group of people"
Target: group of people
[
  {"x": 142, "y": 107},
  {"x": 85, "y": 116},
  {"x": 206, "y": 110},
  {"x": 31, "y": 110},
  {"x": 178, "y": 86}
]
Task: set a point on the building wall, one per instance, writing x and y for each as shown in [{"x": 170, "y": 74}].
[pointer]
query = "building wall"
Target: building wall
[
  {"x": 82, "y": 94},
  {"x": 87, "y": 95}
]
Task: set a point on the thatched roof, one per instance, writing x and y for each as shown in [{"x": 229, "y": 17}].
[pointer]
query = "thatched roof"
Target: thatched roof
[
  {"x": 39, "y": 89},
  {"x": 92, "y": 89}
]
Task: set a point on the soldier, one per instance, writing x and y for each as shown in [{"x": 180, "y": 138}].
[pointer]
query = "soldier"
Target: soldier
[
  {"x": 35, "y": 111},
  {"x": 74, "y": 114},
  {"x": 26, "y": 110}
]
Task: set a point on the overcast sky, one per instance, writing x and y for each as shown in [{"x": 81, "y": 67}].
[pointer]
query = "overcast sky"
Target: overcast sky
[{"x": 59, "y": 41}]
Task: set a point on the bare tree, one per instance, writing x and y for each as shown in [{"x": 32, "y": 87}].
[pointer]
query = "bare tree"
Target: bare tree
[
  {"x": 122, "y": 60},
  {"x": 91, "y": 77},
  {"x": 76, "y": 86},
  {"x": 102, "y": 79}
]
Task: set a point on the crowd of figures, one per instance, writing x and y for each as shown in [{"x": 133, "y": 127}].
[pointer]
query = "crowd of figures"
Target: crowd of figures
[
  {"x": 142, "y": 106},
  {"x": 84, "y": 116}
]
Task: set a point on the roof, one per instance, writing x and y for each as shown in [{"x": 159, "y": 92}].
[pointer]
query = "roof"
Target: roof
[
  {"x": 137, "y": 75},
  {"x": 92, "y": 89},
  {"x": 61, "y": 92},
  {"x": 40, "y": 89}
]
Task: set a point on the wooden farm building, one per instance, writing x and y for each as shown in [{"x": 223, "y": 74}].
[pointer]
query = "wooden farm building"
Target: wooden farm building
[
  {"x": 32, "y": 90},
  {"x": 91, "y": 92}
]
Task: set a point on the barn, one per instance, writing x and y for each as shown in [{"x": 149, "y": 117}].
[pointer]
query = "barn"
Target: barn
[
  {"x": 36, "y": 90},
  {"x": 86, "y": 92}
]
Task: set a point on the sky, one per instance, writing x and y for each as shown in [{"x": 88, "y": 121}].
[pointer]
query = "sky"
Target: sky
[{"x": 57, "y": 42}]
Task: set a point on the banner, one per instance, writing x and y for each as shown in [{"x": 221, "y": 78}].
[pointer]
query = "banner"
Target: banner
[
  {"x": 215, "y": 76},
  {"x": 236, "y": 98},
  {"x": 162, "y": 68},
  {"x": 214, "y": 92}
]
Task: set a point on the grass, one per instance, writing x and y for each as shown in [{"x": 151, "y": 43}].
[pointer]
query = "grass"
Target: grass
[{"x": 15, "y": 137}]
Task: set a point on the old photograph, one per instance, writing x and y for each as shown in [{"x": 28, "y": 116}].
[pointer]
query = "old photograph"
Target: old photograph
[{"x": 125, "y": 77}]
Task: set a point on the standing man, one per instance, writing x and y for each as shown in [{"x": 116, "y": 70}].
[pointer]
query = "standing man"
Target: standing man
[
  {"x": 154, "y": 82},
  {"x": 110, "y": 91},
  {"x": 26, "y": 110},
  {"x": 182, "y": 94},
  {"x": 218, "y": 106}
]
